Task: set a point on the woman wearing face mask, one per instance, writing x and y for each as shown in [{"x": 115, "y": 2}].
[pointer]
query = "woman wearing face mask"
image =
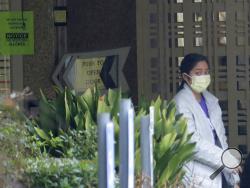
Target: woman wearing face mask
[{"x": 204, "y": 120}]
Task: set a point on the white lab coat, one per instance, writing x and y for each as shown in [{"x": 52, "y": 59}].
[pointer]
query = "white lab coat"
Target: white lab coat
[{"x": 208, "y": 156}]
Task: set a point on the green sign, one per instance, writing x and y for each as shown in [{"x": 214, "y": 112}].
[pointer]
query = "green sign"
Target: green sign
[{"x": 16, "y": 33}]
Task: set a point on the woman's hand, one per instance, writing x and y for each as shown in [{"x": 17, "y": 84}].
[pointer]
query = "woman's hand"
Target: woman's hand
[
  {"x": 238, "y": 170},
  {"x": 236, "y": 186}
]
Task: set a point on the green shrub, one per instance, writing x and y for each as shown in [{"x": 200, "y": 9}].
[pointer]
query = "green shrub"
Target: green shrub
[
  {"x": 22, "y": 160},
  {"x": 13, "y": 147},
  {"x": 171, "y": 143},
  {"x": 79, "y": 144},
  {"x": 68, "y": 111},
  {"x": 60, "y": 117},
  {"x": 63, "y": 173},
  {"x": 61, "y": 143},
  {"x": 67, "y": 125}
]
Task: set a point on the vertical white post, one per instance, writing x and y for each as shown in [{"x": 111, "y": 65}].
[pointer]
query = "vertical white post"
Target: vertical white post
[
  {"x": 110, "y": 162},
  {"x": 151, "y": 142},
  {"x": 102, "y": 120},
  {"x": 145, "y": 152},
  {"x": 125, "y": 105},
  {"x": 147, "y": 159},
  {"x": 131, "y": 148}
]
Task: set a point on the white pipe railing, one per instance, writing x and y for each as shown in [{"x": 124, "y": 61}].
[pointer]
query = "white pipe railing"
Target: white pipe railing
[{"x": 106, "y": 156}]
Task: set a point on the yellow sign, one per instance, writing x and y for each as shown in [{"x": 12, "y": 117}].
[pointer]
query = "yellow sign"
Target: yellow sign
[
  {"x": 16, "y": 33},
  {"x": 87, "y": 73},
  {"x": 60, "y": 16}
]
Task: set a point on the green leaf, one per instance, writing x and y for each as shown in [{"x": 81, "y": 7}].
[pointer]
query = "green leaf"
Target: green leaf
[
  {"x": 67, "y": 110},
  {"x": 116, "y": 126},
  {"x": 157, "y": 108},
  {"x": 183, "y": 155},
  {"x": 186, "y": 150},
  {"x": 47, "y": 118},
  {"x": 79, "y": 121},
  {"x": 102, "y": 106},
  {"x": 137, "y": 139},
  {"x": 58, "y": 90},
  {"x": 96, "y": 93},
  {"x": 143, "y": 103},
  {"x": 88, "y": 121},
  {"x": 166, "y": 143},
  {"x": 71, "y": 98},
  {"x": 162, "y": 162},
  {"x": 165, "y": 175},
  {"x": 114, "y": 97},
  {"x": 43, "y": 96},
  {"x": 141, "y": 113},
  {"x": 89, "y": 100},
  {"x": 178, "y": 117},
  {"x": 41, "y": 133},
  {"x": 138, "y": 161},
  {"x": 59, "y": 104},
  {"x": 158, "y": 129},
  {"x": 171, "y": 110},
  {"x": 181, "y": 126}
]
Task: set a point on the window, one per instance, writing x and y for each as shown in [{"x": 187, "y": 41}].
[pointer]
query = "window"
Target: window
[
  {"x": 5, "y": 72},
  {"x": 180, "y": 42},
  {"x": 222, "y": 16},
  {"x": 179, "y": 17},
  {"x": 179, "y": 1},
  {"x": 198, "y": 41},
  {"x": 5, "y": 83}
]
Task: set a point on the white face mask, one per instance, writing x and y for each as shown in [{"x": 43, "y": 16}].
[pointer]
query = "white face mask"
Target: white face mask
[{"x": 200, "y": 83}]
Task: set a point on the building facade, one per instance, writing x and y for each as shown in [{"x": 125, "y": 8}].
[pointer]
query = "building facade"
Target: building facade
[{"x": 219, "y": 29}]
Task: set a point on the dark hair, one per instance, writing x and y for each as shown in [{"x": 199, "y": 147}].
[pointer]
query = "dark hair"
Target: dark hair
[
  {"x": 245, "y": 176},
  {"x": 188, "y": 63}
]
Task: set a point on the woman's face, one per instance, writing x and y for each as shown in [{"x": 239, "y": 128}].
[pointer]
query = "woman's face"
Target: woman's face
[{"x": 201, "y": 68}]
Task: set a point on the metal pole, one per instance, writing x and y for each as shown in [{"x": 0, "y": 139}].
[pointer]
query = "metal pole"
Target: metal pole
[
  {"x": 131, "y": 142},
  {"x": 102, "y": 120},
  {"x": 110, "y": 162},
  {"x": 151, "y": 142},
  {"x": 125, "y": 105},
  {"x": 145, "y": 152}
]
